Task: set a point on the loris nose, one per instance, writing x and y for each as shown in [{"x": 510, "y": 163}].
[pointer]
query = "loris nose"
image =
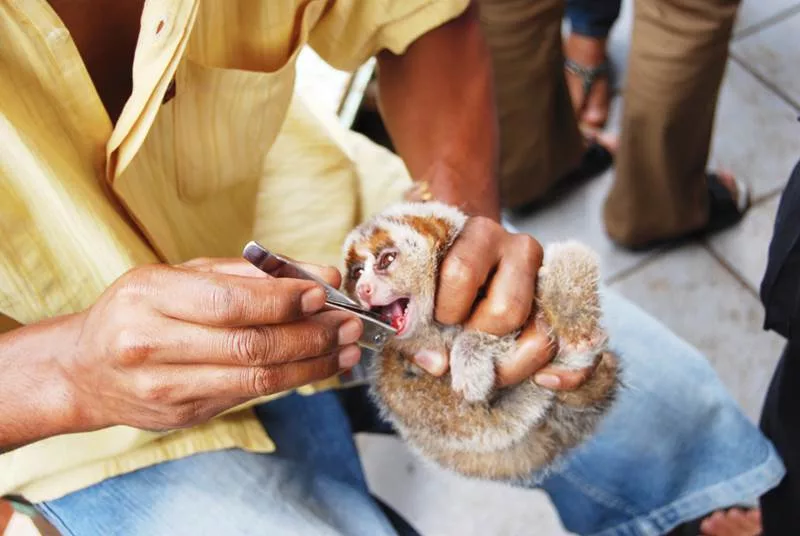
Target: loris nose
[{"x": 364, "y": 291}]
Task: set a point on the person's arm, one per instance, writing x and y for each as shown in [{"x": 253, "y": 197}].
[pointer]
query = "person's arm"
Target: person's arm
[
  {"x": 168, "y": 347},
  {"x": 34, "y": 394},
  {"x": 437, "y": 103}
]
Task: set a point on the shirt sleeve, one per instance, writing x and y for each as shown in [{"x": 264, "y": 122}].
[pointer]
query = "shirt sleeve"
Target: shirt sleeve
[{"x": 352, "y": 31}]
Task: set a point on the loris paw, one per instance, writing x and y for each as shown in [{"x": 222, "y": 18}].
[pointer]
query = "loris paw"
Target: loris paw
[
  {"x": 583, "y": 352},
  {"x": 568, "y": 294},
  {"x": 472, "y": 364}
]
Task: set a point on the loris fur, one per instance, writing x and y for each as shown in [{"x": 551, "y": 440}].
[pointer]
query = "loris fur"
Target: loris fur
[{"x": 460, "y": 420}]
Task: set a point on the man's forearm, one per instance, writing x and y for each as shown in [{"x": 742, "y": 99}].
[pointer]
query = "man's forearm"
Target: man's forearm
[
  {"x": 437, "y": 102},
  {"x": 34, "y": 397}
]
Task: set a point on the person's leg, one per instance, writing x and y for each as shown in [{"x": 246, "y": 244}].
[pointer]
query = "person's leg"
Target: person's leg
[
  {"x": 312, "y": 484},
  {"x": 586, "y": 66},
  {"x": 679, "y": 50},
  {"x": 674, "y": 448},
  {"x": 539, "y": 138}
]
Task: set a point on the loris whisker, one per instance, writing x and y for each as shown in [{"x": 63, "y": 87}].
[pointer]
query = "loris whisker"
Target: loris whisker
[{"x": 460, "y": 420}]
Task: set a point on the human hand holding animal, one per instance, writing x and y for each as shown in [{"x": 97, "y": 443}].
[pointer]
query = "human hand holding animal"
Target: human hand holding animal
[
  {"x": 464, "y": 288},
  {"x": 488, "y": 259}
]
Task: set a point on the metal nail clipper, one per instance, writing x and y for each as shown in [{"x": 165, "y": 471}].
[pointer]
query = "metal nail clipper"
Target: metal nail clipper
[{"x": 376, "y": 331}]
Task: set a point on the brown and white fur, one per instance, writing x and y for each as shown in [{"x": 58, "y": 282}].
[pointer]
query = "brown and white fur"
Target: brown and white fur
[{"x": 460, "y": 420}]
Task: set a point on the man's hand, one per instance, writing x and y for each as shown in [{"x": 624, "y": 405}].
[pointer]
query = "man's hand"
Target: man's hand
[
  {"x": 171, "y": 346},
  {"x": 488, "y": 282}
]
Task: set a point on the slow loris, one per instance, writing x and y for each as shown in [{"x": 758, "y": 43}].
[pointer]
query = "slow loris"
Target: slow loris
[{"x": 460, "y": 420}]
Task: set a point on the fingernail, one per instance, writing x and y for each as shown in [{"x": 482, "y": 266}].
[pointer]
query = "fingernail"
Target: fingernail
[
  {"x": 349, "y": 357},
  {"x": 312, "y": 300},
  {"x": 349, "y": 332},
  {"x": 547, "y": 380},
  {"x": 433, "y": 362}
]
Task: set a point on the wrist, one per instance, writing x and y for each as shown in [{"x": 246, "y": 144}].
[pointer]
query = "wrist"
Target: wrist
[
  {"x": 39, "y": 399},
  {"x": 71, "y": 411},
  {"x": 474, "y": 192}
]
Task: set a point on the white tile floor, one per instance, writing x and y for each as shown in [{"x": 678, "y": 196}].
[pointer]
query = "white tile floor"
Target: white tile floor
[{"x": 758, "y": 137}]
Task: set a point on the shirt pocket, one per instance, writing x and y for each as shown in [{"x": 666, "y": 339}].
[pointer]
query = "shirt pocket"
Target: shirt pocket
[{"x": 226, "y": 119}]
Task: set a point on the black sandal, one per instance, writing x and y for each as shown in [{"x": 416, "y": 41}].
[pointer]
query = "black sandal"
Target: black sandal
[{"x": 724, "y": 211}]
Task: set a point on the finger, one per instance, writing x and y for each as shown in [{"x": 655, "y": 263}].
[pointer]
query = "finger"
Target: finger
[
  {"x": 205, "y": 382},
  {"x": 562, "y": 380},
  {"x": 219, "y": 299},
  {"x": 331, "y": 275},
  {"x": 510, "y": 297},
  {"x": 242, "y": 267},
  {"x": 317, "y": 335},
  {"x": 465, "y": 269},
  {"x": 230, "y": 266},
  {"x": 535, "y": 349}
]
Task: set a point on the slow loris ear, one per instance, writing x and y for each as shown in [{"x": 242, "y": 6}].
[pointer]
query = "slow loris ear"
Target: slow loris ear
[{"x": 437, "y": 230}]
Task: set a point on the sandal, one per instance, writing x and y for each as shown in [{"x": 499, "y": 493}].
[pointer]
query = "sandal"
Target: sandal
[
  {"x": 589, "y": 76},
  {"x": 596, "y": 159},
  {"x": 724, "y": 211}
]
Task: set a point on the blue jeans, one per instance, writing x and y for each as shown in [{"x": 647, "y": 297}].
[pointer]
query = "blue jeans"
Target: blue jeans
[
  {"x": 674, "y": 448},
  {"x": 592, "y": 18}
]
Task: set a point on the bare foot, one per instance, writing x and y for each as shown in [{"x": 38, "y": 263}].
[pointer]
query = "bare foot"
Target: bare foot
[
  {"x": 733, "y": 522},
  {"x": 592, "y": 109}
]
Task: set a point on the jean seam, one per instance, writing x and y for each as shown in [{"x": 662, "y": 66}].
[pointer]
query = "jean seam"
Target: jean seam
[
  {"x": 598, "y": 495},
  {"x": 658, "y": 517},
  {"x": 55, "y": 519}
]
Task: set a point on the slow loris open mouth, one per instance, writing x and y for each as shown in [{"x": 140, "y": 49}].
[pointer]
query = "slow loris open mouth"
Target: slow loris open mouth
[{"x": 396, "y": 313}]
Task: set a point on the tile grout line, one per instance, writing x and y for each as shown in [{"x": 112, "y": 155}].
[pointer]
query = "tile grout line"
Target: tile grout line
[
  {"x": 643, "y": 263},
  {"x": 769, "y": 21},
  {"x": 727, "y": 266},
  {"x": 731, "y": 270},
  {"x": 765, "y": 82}
]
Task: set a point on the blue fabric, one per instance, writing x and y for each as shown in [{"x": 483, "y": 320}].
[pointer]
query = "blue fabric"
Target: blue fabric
[
  {"x": 592, "y": 18},
  {"x": 312, "y": 485},
  {"x": 674, "y": 448}
]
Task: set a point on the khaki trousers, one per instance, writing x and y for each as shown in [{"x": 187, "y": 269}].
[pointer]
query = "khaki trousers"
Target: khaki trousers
[{"x": 679, "y": 50}]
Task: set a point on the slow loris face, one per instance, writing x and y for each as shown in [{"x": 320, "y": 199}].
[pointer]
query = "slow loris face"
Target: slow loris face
[{"x": 392, "y": 263}]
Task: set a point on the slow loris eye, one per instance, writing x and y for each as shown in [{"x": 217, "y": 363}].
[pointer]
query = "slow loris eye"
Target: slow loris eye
[
  {"x": 386, "y": 259},
  {"x": 356, "y": 272}
]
